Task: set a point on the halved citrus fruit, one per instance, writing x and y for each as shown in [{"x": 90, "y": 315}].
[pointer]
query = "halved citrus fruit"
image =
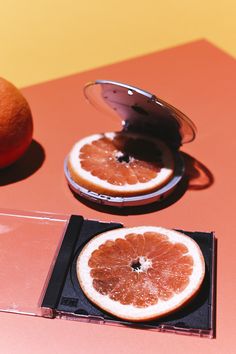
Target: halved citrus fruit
[
  {"x": 120, "y": 164},
  {"x": 140, "y": 273}
]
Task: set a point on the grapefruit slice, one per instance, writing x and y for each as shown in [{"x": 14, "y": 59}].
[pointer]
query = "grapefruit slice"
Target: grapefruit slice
[
  {"x": 120, "y": 164},
  {"x": 140, "y": 273}
]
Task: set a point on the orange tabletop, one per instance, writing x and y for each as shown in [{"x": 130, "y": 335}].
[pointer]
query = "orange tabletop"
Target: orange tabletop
[{"x": 198, "y": 79}]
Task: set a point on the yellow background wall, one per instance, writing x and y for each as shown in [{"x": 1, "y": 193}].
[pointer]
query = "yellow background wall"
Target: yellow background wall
[{"x": 46, "y": 39}]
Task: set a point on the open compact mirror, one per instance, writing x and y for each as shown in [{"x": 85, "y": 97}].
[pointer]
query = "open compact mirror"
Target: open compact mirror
[{"x": 141, "y": 163}]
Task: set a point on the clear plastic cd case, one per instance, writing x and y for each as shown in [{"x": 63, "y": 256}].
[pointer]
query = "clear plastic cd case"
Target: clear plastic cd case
[{"x": 38, "y": 273}]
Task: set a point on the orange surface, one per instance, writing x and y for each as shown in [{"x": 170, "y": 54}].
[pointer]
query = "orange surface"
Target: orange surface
[
  {"x": 198, "y": 79},
  {"x": 16, "y": 126}
]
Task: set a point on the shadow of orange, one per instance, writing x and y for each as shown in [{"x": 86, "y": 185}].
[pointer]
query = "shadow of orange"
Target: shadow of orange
[{"x": 28, "y": 164}]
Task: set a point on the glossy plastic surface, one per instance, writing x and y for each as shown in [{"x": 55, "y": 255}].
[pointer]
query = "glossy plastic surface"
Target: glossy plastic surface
[
  {"x": 142, "y": 111},
  {"x": 64, "y": 297},
  {"x": 28, "y": 243}
]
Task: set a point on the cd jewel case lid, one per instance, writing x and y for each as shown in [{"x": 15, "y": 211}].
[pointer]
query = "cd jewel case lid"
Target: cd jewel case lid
[{"x": 28, "y": 243}]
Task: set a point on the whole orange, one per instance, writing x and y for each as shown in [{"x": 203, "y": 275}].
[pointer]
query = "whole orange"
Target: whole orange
[{"x": 16, "y": 124}]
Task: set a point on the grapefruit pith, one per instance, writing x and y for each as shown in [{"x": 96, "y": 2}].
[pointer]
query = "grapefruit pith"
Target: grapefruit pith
[{"x": 140, "y": 273}]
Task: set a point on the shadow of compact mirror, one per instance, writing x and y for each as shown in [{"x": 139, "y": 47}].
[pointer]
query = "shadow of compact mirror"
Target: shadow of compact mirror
[
  {"x": 198, "y": 175},
  {"x": 27, "y": 165}
]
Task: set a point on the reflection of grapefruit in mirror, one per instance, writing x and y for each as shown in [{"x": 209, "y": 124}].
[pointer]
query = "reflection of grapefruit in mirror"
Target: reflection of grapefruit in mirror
[
  {"x": 140, "y": 273},
  {"x": 16, "y": 124},
  {"x": 120, "y": 164}
]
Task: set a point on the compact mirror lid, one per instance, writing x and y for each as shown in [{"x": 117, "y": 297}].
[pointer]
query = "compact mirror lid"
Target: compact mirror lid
[{"x": 140, "y": 110}]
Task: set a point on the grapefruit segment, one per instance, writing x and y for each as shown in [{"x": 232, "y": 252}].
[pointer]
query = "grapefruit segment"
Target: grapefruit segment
[
  {"x": 140, "y": 273},
  {"x": 120, "y": 164}
]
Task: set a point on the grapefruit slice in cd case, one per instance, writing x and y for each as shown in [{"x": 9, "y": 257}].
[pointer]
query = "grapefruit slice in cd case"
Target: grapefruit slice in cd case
[{"x": 140, "y": 273}]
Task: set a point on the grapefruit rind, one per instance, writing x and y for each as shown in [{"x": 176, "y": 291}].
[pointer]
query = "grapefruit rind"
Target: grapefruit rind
[
  {"x": 130, "y": 312},
  {"x": 87, "y": 180},
  {"x": 16, "y": 124}
]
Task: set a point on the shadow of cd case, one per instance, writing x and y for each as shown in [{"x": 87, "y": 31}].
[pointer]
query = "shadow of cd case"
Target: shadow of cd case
[{"x": 38, "y": 269}]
